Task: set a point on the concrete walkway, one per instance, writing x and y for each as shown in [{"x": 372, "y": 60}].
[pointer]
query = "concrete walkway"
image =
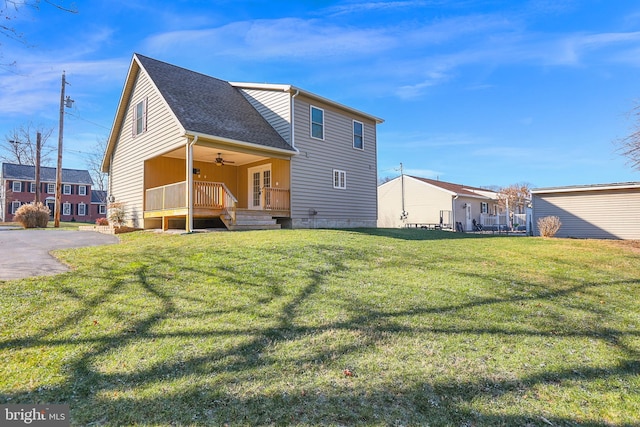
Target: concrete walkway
[{"x": 25, "y": 253}]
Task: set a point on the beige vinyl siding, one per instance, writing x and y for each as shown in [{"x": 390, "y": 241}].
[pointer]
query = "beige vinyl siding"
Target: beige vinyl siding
[
  {"x": 422, "y": 202},
  {"x": 600, "y": 214},
  {"x": 127, "y": 167},
  {"x": 274, "y": 106},
  {"x": 312, "y": 170}
]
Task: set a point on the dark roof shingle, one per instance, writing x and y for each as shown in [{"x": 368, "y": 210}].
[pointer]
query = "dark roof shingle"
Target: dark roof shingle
[
  {"x": 47, "y": 174},
  {"x": 210, "y": 106}
]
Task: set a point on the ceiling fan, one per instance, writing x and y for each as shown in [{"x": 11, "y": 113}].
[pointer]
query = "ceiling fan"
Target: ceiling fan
[{"x": 220, "y": 161}]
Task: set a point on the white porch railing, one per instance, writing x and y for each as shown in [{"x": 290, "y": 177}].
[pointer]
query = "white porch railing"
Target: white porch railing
[{"x": 501, "y": 220}]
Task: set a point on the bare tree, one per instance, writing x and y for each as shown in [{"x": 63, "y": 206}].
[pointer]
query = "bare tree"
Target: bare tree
[
  {"x": 19, "y": 146},
  {"x": 629, "y": 146},
  {"x": 94, "y": 164},
  {"x": 9, "y": 10},
  {"x": 515, "y": 196}
]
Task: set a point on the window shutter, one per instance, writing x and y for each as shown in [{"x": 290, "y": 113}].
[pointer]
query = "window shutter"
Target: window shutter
[{"x": 144, "y": 115}]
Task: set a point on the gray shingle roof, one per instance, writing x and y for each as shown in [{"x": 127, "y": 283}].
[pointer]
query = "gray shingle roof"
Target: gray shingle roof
[
  {"x": 47, "y": 174},
  {"x": 210, "y": 106},
  {"x": 98, "y": 196}
]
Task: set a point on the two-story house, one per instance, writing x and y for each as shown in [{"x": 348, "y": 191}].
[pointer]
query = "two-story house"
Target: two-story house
[
  {"x": 186, "y": 147},
  {"x": 18, "y": 187}
]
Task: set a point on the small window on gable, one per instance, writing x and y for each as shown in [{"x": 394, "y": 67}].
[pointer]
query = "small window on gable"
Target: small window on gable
[
  {"x": 484, "y": 207},
  {"x": 16, "y": 187},
  {"x": 66, "y": 189},
  {"x": 82, "y": 190},
  {"x": 339, "y": 179},
  {"x": 317, "y": 123},
  {"x": 140, "y": 117},
  {"x": 51, "y": 188},
  {"x": 358, "y": 135}
]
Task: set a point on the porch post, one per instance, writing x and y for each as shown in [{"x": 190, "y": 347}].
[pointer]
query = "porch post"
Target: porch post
[{"x": 189, "y": 180}]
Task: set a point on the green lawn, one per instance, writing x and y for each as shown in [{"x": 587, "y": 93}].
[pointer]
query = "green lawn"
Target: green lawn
[{"x": 295, "y": 327}]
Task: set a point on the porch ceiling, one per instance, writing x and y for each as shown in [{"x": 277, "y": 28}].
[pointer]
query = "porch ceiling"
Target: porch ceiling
[{"x": 209, "y": 154}]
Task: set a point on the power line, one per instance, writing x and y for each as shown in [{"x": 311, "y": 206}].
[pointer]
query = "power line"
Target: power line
[{"x": 88, "y": 121}]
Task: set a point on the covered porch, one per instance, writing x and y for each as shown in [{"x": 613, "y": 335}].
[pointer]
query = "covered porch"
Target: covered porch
[{"x": 199, "y": 184}]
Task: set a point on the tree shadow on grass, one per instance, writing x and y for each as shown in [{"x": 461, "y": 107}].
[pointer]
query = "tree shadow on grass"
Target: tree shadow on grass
[
  {"x": 245, "y": 381},
  {"x": 422, "y": 234}
]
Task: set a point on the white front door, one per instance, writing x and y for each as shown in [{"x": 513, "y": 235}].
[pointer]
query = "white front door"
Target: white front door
[
  {"x": 468, "y": 218},
  {"x": 259, "y": 178}
]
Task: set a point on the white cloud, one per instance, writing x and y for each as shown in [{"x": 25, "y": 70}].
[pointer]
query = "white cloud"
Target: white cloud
[{"x": 287, "y": 38}]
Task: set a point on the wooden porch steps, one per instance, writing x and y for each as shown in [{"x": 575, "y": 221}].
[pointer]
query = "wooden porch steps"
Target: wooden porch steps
[{"x": 250, "y": 220}]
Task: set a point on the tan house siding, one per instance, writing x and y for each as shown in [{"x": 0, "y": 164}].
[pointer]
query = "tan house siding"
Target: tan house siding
[
  {"x": 422, "y": 202},
  {"x": 274, "y": 106},
  {"x": 600, "y": 214},
  {"x": 127, "y": 166},
  {"x": 312, "y": 170}
]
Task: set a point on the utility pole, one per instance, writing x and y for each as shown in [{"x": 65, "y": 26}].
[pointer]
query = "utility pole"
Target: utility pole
[
  {"x": 38, "y": 148},
  {"x": 68, "y": 102}
]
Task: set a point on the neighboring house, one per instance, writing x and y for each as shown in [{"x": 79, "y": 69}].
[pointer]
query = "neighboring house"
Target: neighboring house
[
  {"x": 98, "y": 205},
  {"x": 18, "y": 186},
  {"x": 186, "y": 147},
  {"x": 602, "y": 211},
  {"x": 410, "y": 201}
]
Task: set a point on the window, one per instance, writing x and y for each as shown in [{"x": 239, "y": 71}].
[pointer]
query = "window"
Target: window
[
  {"x": 32, "y": 187},
  {"x": 317, "y": 123},
  {"x": 66, "y": 208},
  {"x": 358, "y": 135},
  {"x": 339, "y": 179},
  {"x": 16, "y": 187},
  {"x": 102, "y": 209},
  {"x": 484, "y": 207},
  {"x": 14, "y": 206},
  {"x": 82, "y": 190},
  {"x": 51, "y": 188},
  {"x": 66, "y": 189},
  {"x": 82, "y": 209},
  {"x": 140, "y": 117}
]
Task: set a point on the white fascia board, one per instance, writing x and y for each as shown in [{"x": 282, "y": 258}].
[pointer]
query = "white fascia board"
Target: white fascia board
[
  {"x": 582, "y": 188},
  {"x": 243, "y": 143}
]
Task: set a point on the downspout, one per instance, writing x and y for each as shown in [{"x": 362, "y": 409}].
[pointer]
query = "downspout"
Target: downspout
[
  {"x": 293, "y": 114},
  {"x": 293, "y": 145},
  {"x": 189, "y": 171}
]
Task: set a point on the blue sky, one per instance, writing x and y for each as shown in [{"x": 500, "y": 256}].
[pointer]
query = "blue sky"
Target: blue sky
[{"x": 472, "y": 92}]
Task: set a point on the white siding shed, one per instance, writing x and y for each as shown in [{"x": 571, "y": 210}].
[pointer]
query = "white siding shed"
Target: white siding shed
[{"x": 602, "y": 211}]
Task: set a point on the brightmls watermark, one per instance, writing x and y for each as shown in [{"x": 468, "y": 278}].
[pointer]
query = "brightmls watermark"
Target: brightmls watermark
[{"x": 34, "y": 415}]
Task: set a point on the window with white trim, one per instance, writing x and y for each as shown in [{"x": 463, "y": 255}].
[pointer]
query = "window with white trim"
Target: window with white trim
[
  {"x": 484, "y": 207},
  {"x": 66, "y": 189},
  {"x": 317, "y": 122},
  {"x": 140, "y": 117},
  {"x": 102, "y": 209},
  {"x": 82, "y": 209},
  {"x": 32, "y": 187},
  {"x": 14, "y": 206},
  {"x": 51, "y": 188},
  {"x": 66, "y": 208},
  {"x": 82, "y": 190},
  {"x": 358, "y": 135},
  {"x": 16, "y": 187},
  {"x": 339, "y": 179}
]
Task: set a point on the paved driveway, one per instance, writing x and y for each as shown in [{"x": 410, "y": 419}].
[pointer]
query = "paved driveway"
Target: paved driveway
[{"x": 25, "y": 253}]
